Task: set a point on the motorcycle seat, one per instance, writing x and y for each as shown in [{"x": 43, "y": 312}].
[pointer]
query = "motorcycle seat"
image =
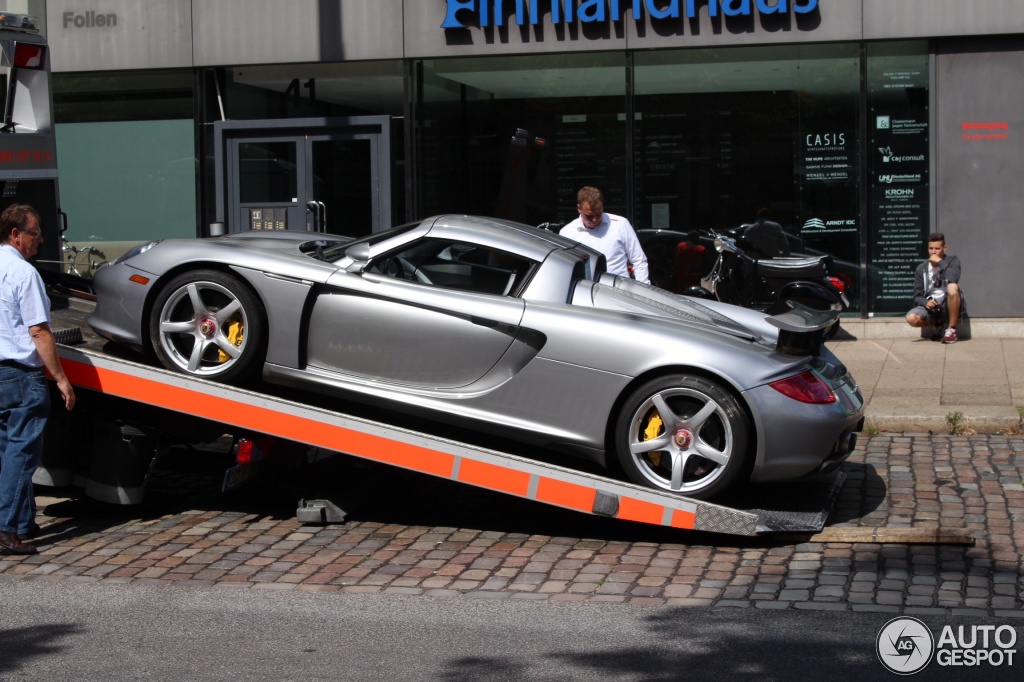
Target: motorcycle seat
[{"x": 791, "y": 268}]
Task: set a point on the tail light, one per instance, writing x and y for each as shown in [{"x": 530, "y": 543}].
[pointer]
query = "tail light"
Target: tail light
[
  {"x": 838, "y": 282},
  {"x": 243, "y": 452},
  {"x": 806, "y": 387},
  {"x": 251, "y": 450},
  {"x": 29, "y": 56}
]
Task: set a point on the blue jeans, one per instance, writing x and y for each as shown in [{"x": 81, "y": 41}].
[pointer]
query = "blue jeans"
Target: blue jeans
[{"x": 24, "y": 407}]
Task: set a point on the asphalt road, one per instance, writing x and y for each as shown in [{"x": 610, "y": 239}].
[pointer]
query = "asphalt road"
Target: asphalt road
[{"x": 109, "y": 632}]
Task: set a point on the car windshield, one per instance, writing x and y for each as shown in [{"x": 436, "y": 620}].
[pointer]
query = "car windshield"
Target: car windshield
[{"x": 336, "y": 252}]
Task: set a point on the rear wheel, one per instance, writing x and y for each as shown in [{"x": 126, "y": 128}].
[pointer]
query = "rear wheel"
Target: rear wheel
[
  {"x": 208, "y": 324},
  {"x": 682, "y": 433}
]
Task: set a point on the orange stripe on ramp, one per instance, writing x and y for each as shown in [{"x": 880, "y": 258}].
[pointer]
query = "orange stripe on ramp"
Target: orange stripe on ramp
[
  {"x": 494, "y": 477},
  {"x": 565, "y": 494},
  {"x": 683, "y": 519},
  {"x": 632, "y": 509}
]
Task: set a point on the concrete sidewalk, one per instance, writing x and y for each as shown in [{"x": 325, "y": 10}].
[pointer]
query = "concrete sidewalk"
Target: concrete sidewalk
[{"x": 916, "y": 385}]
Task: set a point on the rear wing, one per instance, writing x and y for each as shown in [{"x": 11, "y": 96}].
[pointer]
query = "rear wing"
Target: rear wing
[{"x": 802, "y": 330}]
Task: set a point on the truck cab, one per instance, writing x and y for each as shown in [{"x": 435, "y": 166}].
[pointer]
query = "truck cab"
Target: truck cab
[{"x": 28, "y": 146}]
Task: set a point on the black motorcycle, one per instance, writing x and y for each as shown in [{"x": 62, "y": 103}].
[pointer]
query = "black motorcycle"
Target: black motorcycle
[{"x": 770, "y": 284}]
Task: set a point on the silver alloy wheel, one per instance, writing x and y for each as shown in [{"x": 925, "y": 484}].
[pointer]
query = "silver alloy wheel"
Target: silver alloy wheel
[
  {"x": 692, "y": 447},
  {"x": 195, "y": 326}
]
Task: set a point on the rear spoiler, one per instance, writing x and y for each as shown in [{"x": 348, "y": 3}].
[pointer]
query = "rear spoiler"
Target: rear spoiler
[{"x": 802, "y": 330}]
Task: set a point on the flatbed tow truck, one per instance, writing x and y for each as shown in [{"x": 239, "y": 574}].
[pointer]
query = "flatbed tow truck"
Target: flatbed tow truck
[{"x": 128, "y": 410}]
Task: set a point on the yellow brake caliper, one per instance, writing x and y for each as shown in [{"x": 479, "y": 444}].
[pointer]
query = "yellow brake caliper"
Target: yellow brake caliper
[
  {"x": 236, "y": 334},
  {"x": 653, "y": 429}
]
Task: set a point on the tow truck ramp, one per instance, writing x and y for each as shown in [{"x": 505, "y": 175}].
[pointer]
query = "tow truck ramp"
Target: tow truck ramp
[{"x": 425, "y": 453}]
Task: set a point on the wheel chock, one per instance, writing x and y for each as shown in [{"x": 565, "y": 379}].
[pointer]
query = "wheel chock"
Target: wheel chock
[{"x": 319, "y": 511}]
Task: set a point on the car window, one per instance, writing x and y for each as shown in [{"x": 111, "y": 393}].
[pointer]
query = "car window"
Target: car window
[
  {"x": 337, "y": 251},
  {"x": 455, "y": 265}
]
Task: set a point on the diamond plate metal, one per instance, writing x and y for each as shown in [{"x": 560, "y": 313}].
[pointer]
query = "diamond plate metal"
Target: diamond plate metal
[
  {"x": 804, "y": 513},
  {"x": 715, "y": 519}
]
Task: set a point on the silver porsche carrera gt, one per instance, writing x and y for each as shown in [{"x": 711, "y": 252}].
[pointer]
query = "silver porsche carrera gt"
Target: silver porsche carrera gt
[{"x": 502, "y": 328}]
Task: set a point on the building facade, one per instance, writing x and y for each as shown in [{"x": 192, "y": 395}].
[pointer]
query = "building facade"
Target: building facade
[{"x": 863, "y": 125}]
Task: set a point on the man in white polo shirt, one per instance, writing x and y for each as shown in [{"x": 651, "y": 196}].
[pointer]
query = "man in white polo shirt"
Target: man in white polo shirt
[
  {"x": 27, "y": 349},
  {"x": 610, "y": 234}
]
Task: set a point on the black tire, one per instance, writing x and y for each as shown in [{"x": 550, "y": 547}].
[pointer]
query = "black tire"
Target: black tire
[
  {"x": 208, "y": 324},
  {"x": 682, "y": 433}
]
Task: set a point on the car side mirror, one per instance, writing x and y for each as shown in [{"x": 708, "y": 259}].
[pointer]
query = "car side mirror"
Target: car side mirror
[{"x": 359, "y": 253}]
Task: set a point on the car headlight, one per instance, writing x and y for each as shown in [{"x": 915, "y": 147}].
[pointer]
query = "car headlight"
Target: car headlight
[{"x": 137, "y": 251}]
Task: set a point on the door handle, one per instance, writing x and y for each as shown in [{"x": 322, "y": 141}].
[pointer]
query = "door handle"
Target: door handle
[
  {"x": 483, "y": 321},
  {"x": 314, "y": 208},
  {"x": 319, "y": 210}
]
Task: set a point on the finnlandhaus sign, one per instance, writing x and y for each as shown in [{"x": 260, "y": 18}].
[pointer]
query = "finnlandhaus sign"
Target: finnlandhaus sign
[{"x": 484, "y": 13}]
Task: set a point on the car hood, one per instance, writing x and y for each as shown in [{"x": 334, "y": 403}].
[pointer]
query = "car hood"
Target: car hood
[{"x": 287, "y": 241}]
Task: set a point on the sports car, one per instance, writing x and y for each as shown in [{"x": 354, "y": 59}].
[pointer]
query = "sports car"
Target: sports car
[{"x": 503, "y": 328}]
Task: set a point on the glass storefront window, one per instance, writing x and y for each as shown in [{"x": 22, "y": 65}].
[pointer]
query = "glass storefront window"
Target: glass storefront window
[
  {"x": 267, "y": 172},
  {"x": 713, "y": 136},
  {"x": 516, "y": 137},
  {"x": 722, "y": 133},
  {"x": 127, "y": 168}
]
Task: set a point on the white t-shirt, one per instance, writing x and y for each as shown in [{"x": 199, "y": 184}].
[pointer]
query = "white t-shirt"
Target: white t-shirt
[{"x": 936, "y": 293}]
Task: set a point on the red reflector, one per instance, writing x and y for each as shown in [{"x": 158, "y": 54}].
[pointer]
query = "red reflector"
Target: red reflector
[
  {"x": 243, "y": 454},
  {"x": 807, "y": 387},
  {"x": 139, "y": 279},
  {"x": 838, "y": 282},
  {"x": 29, "y": 56}
]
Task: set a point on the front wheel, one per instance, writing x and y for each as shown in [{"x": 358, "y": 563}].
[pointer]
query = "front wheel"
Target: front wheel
[
  {"x": 682, "y": 433},
  {"x": 208, "y": 324}
]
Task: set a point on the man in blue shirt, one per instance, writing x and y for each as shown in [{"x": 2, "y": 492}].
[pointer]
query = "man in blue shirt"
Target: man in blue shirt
[{"x": 27, "y": 349}]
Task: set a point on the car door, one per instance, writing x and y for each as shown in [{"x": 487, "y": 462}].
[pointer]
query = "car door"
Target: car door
[{"x": 427, "y": 331}]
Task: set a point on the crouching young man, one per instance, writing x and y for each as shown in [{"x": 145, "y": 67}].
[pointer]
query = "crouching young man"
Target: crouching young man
[{"x": 938, "y": 302}]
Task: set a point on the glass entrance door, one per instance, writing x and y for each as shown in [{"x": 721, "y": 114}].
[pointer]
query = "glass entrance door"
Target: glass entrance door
[
  {"x": 327, "y": 176},
  {"x": 340, "y": 187},
  {"x": 269, "y": 184}
]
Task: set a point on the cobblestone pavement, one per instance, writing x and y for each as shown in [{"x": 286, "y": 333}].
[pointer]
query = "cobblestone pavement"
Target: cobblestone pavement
[{"x": 419, "y": 536}]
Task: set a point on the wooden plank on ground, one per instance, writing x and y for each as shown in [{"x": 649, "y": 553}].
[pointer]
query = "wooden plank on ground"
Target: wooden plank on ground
[{"x": 924, "y": 536}]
